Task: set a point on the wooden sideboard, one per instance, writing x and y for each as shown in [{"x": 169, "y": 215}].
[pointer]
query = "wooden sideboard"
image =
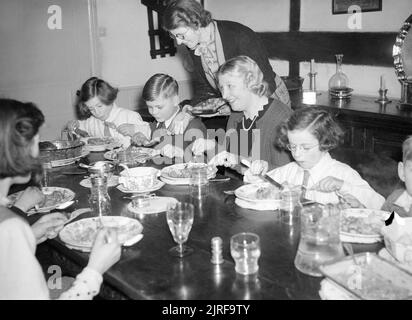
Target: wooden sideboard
[{"x": 369, "y": 126}]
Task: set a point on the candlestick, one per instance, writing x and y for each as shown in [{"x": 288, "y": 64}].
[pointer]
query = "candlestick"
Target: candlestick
[
  {"x": 383, "y": 83},
  {"x": 312, "y": 65},
  {"x": 312, "y": 81},
  {"x": 383, "y": 100}
]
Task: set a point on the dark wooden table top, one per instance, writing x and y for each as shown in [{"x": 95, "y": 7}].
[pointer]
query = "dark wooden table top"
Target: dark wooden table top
[{"x": 147, "y": 271}]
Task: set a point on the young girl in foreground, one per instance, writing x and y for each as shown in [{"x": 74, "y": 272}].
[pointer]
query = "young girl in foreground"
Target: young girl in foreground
[
  {"x": 21, "y": 276},
  {"x": 309, "y": 134}
]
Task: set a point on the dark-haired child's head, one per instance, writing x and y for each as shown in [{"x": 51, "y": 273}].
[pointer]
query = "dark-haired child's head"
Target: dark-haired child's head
[
  {"x": 161, "y": 95},
  {"x": 405, "y": 167},
  {"x": 309, "y": 133},
  {"x": 96, "y": 97},
  {"x": 19, "y": 138}
]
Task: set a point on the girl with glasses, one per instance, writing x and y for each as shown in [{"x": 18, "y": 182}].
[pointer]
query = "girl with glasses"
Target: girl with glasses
[{"x": 309, "y": 134}]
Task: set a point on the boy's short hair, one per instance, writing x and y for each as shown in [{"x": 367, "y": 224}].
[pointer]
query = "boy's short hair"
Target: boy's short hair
[
  {"x": 407, "y": 149},
  {"x": 318, "y": 121},
  {"x": 160, "y": 85}
]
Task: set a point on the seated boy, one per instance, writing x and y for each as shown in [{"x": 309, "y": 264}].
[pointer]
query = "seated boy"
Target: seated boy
[
  {"x": 400, "y": 200},
  {"x": 161, "y": 95}
]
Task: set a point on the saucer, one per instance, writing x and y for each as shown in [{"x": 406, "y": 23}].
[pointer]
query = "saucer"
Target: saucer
[
  {"x": 156, "y": 205},
  {"x": 157, "y": 186},
  {"x": 113, "y": 181}
]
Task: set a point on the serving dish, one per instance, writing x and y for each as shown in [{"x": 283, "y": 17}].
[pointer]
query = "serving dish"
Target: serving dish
[{"x": 371, "y": 278}]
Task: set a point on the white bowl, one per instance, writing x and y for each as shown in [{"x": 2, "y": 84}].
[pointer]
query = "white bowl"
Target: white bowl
[{"x": 140, "y": 178}]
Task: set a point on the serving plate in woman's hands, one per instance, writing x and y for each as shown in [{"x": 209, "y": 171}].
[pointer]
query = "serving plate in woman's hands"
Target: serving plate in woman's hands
[{"x": 80, "y": 235}]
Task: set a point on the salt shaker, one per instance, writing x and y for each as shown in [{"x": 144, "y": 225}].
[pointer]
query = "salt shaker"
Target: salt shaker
[{"x": 217, "y": 257}]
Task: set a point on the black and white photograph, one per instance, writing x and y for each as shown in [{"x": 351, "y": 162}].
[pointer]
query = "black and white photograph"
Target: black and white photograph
[{"x": 210, "y": 157}]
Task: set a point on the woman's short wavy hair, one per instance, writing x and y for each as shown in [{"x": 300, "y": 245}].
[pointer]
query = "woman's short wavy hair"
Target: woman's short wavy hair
[
  {"x": 19, "y": 124},
  {"x": 318, "y": 121},
  {"x": 160, "y": 85},
  {"x": 187, "y": 13},
  {"x": 94, "y": 87},
  {"x": 249, "y": 70}
]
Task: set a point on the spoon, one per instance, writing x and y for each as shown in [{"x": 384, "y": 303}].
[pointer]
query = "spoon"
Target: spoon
[{"x": 349, "y": 249}]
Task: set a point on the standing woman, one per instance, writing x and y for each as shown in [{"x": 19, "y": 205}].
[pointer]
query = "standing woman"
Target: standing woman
[
  {"x": 212, "y": 42},
  {"x": 21, "y": 276}
]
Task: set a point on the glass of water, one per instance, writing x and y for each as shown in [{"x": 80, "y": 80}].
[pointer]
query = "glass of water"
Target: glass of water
[
  {"x": 245, "y": 250},
  {"x": 180, "y": 219}
]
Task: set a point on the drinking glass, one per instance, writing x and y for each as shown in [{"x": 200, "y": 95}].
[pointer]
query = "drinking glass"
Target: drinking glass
[
  {"x": 180, "y": 219},
  {"x": 245, "y": 250},
  {"x": 199, "y": 183},
  {"x": 290, "y": 207}
]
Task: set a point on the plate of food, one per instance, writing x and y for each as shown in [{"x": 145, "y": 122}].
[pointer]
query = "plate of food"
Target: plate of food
[
  {"x": 209, "y": 107},
  {"x": 98, "y": 144},
  {"x": 81, "y": 234},
  {"x": 181, "y": 173},
  {"x": 53, "y": 197},
  {"x": 362, "y": 225},
  {"x": 131, "y": 155},
  {"x": 371, "y": 278},
  {"x": 258, "y": 192}
]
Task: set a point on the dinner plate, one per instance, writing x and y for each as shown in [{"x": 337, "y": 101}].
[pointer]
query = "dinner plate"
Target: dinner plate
[
  {"x": 179, "y": 174},
  {"x": 80, "y": 235},
  {"x": 113, "y": 181},
  {"x": 65, "y": 162},
  {"x": 67, "y": 195},
  {"x": 362, "y": 224},
  {"x": 108, "y": 143},
  {"x": 249, "y": 192},
  {"x": 157, "y": 186},
  {"x": 140, "y": 154},
  {"x": 155, "y": 205}
]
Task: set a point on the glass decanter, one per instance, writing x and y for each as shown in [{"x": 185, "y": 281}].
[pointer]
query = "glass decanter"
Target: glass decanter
[
  {"x": 339, "y": 82},
  {"x": 99, "y": 199}
]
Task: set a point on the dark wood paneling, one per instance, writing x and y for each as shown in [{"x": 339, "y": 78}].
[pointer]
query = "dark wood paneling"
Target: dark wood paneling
[{"x": 367, "y": 48}]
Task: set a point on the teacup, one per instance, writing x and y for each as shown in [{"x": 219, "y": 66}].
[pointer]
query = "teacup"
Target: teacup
[{"x": 139, "y": 179}]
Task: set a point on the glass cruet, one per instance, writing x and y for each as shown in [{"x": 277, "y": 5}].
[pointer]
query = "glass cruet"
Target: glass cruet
[
  {"x": 99, "y": 199},
  {"x": 339, "y": 81}
]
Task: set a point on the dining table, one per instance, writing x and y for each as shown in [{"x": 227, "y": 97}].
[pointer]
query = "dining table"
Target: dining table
[{"x": 147, "y": 271}]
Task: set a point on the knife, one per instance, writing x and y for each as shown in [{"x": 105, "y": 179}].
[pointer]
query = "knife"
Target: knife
[
  {"x": 265, "y": 177},
  {"x": 272, "y": 181}
]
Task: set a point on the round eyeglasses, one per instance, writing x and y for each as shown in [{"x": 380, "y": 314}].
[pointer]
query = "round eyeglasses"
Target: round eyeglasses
[
  {"x": 304, "y": 148},
  {"x": 180, "y": 36}
]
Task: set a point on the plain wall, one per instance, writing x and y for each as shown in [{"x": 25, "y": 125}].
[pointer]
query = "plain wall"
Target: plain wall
[
  {"x": 316, "y": 15},
  {"x": 124, "y": 49}
]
